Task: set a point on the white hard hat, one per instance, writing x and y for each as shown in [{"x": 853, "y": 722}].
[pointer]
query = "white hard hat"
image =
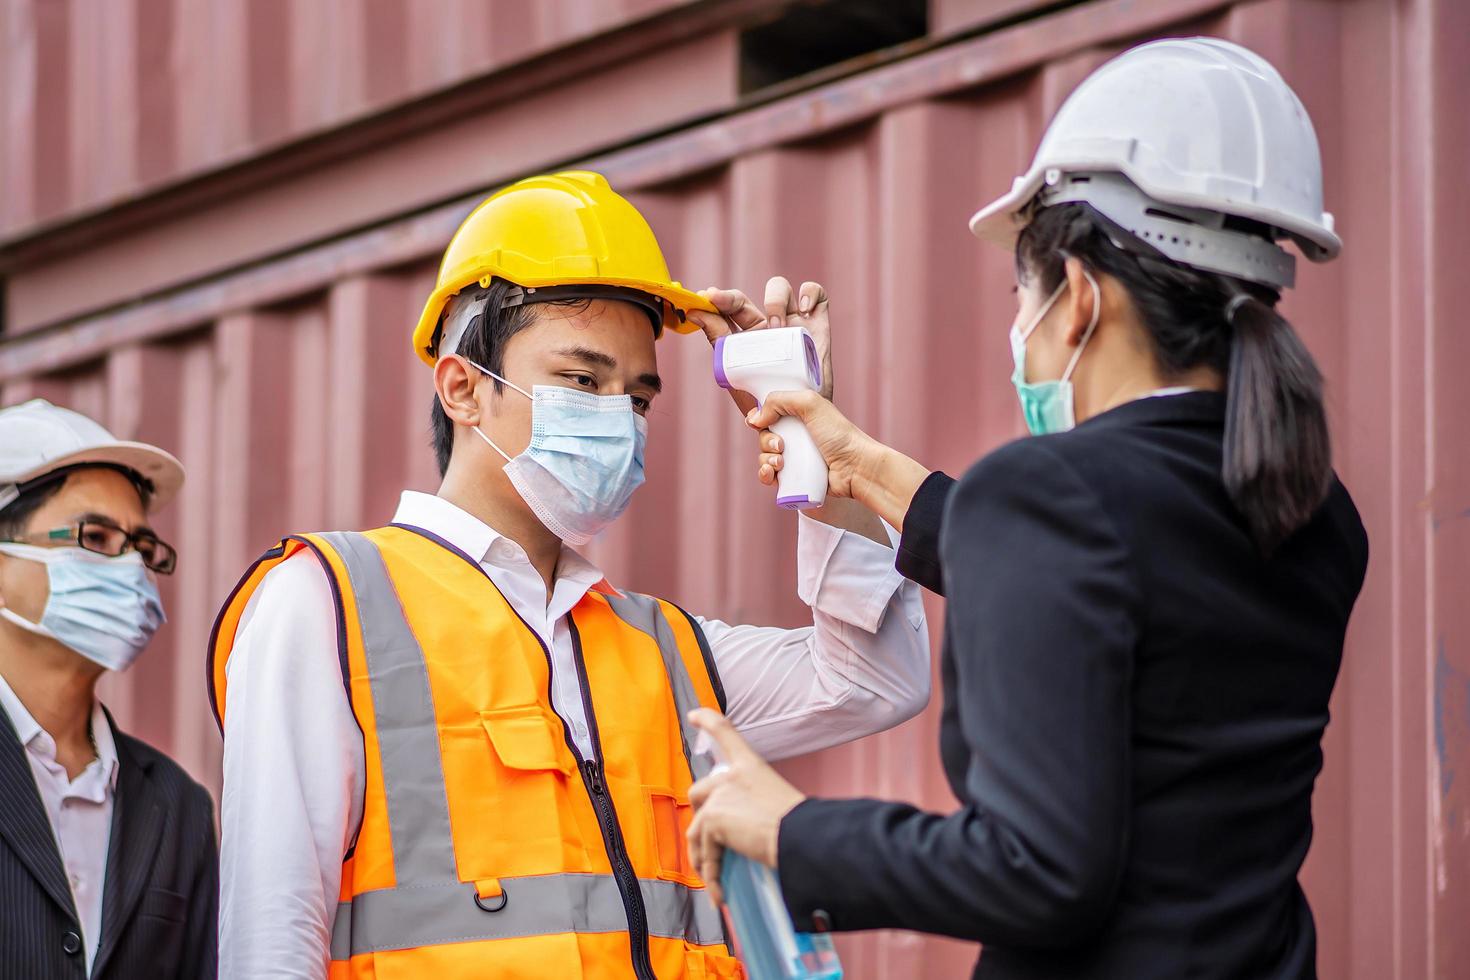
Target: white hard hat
[
  {"x": 37, "y": 438},
  {"x": 1184, "y": 134}
]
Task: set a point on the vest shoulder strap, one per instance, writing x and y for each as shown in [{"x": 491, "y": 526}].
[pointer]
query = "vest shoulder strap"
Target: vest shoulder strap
[
  {"x": 688, "y": 663},
  {"x": 222, "y": 634}
]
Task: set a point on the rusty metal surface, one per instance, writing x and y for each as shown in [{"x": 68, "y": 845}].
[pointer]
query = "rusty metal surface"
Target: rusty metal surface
[
  {"x": 105, "y": 101},
  {"x": 287, "y": 388}
]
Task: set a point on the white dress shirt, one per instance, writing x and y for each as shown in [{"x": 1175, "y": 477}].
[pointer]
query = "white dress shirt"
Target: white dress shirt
[
  {"x": 80, "y": 810},
  {"x": 294, "y": 768}
]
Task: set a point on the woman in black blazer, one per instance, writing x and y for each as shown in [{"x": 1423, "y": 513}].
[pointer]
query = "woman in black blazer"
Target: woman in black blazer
[{"x": 1146, "y": 609}]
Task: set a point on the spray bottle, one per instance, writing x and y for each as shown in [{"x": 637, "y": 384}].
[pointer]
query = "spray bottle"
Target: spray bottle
[{"x": 768, "y": 943}]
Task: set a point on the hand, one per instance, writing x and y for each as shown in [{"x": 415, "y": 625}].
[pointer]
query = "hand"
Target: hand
[
  {"x": 848, "y": 450},
  {"x": 807, "y": 307},
  {"x": 739, "y": 806}
]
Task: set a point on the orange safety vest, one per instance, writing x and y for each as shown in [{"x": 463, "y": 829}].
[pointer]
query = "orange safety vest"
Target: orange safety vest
[{"x": 489, "y": 846}]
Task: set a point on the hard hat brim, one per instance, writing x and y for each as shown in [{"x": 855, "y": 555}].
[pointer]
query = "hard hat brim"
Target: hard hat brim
[
  {"x": 681, "y": 299},
  {"x": 160, "y": 468},
  {"x": 1000, "y": 223}
]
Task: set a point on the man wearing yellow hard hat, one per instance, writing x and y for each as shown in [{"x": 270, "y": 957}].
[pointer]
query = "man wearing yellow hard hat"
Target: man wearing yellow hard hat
[{"x": 452, "y": 748}]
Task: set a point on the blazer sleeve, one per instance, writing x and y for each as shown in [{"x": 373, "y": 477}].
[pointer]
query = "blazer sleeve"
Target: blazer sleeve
[
  {"x": 1041, "y": 626},
  {"x": 918, "y": 548}
]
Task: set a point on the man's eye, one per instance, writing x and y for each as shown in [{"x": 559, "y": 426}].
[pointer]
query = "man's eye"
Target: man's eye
[
  {"x": 642, "y": 404},
  {"x": 585, "y": 380}
]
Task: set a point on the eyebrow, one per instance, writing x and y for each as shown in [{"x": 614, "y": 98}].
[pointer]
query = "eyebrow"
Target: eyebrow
[
  {"x": 589, "y": 356},
  {"x": 104, "y": 519}
]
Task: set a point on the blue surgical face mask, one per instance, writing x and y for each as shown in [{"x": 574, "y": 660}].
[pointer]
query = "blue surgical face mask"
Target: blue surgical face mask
[
  {"x": 1049, "y": 406},
  {"x": 106, "y": 609},
  {"x": 584, "y": 461}
]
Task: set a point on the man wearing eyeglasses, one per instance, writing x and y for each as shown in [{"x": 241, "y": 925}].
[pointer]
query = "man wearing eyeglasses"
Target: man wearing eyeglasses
[{"x": 108, "y": 859}]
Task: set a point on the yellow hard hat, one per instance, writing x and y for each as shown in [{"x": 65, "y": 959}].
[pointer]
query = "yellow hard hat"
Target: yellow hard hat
[{"x": 562, "y": 229}]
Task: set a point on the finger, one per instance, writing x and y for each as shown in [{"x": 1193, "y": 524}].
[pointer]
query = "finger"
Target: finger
[
  {"x": 693, "y": 840},
  {"x": 770, "y": 442},
  {"x": 714, "y": 325},
  {"x": 779, "y": 301},
  {"x": 700, "y": 791},
  {"x": 774, "y": 461},
  {"x": 733, "y": 748},
  {"x": 712, "y": 855},
  {"x": 813, "y": 302},
  {"x": 743, "y": 400},
  {"x": 779, "y": 404},
  {"x": 736, "y": 306},
  {"x": 766, "y": 475},
  {"x": 810, "y": 297},
  {"x": 704, "y": 853}
]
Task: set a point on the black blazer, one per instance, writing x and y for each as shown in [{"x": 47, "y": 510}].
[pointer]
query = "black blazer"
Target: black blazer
[
  {"x": 161, "y": 891},
  {"x": 1134, "y": 704}
]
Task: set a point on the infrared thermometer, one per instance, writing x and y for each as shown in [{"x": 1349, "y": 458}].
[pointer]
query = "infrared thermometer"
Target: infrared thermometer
[{"x": 779, "y": 359}]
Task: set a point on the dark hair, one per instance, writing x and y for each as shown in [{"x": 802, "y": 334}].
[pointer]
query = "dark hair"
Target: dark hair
[
  {"x": 1278, "y": 457},
  {"x": 484, "y": 343},
  {"x": 16, "y": 515}
]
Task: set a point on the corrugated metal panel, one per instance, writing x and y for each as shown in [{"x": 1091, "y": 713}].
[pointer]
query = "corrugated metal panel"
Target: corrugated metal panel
[
  {"x": 508, "y": 125},
  {"x": 104, "y": 99},
  {"x": 289, "y": 392}
]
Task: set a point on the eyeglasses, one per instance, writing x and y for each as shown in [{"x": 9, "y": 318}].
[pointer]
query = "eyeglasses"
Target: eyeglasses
[{"x": 106, "y": 538}]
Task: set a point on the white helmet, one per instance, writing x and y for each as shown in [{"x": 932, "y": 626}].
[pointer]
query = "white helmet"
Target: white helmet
[
  {"x": 38, "y": 438},
  {"x": 1169, "y": 140}
]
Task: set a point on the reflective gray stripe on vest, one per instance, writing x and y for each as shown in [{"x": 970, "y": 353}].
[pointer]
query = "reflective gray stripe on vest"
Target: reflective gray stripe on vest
[
  {"x": 403, "y": 711},
  {"x": 430, "y": 905},
  {"x": 645, "y": 614},
  {"x": 407, "y": 918}
]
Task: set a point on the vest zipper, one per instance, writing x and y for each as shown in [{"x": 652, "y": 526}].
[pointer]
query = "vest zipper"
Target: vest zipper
[{"x": 594, "y": 773}]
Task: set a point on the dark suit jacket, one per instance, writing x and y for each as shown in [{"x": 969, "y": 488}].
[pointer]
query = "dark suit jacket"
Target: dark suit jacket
[
  {"x": 161, "y": 891},
  {"x": 1134, "y": 704}
]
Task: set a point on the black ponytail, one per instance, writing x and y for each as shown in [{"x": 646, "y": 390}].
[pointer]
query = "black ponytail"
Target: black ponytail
[
  {"x": 1277, "y": 464},
  {"x": 1278, "y": 457}
]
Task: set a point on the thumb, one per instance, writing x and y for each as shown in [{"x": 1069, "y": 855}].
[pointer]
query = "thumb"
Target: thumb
[
  {"x": 733, "y": 748},
  {"x": 801, "y": 404}
]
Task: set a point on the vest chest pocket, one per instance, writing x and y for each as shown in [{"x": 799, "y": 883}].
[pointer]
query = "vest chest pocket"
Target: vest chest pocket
[
  {"x": 705, "y": 963},
  {"x": 523, "y": 740},
  {"x": 511, "y": 808},
  {"x": 670, "y": 815}
]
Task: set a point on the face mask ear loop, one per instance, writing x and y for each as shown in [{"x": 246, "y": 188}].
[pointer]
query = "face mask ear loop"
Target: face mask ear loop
[
  {"x": 12, "y": 616},
  {"x": 1045, "y": 309},
  {"x": 479, "y": 432},
  {"x": 1096, "y": 315},
  {"x": 489, "y": 373}
]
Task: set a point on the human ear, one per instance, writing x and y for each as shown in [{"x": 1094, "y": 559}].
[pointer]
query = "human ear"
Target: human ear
[
  {"x": 455, "y": 383},
  {"x": 1083, "y": 300}
]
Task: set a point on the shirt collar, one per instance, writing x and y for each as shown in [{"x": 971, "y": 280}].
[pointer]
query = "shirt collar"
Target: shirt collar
[
  {"x": 106, "y": 745},
  {"x": 26, "y": 726},
  {"x": 485, "y": 544},
  {"x": 28, "y": 730}
]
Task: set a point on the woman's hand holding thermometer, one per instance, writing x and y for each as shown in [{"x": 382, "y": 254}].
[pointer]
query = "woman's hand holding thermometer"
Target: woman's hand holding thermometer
[
  {"x": 762, "y": 362},
  {"x": 858, "y": 466}
]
